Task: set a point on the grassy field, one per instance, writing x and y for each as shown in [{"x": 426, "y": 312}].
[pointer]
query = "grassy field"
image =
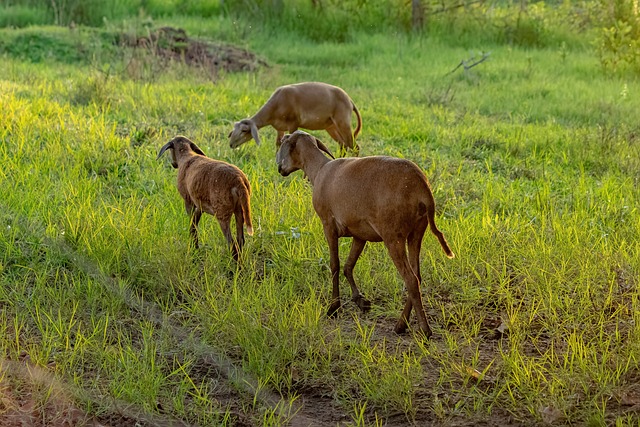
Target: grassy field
[{"x": 107, "y": 314}]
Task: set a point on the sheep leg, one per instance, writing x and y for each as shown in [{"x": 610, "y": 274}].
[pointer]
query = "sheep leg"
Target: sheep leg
[
  {"x": 341, "y": 132},
  {"x": 398, "y": 254},
  {"x": 403, "y": 322},
  {"x": 414, "y": 243},
  {"x": 225, "y": 225},
  {"x": 335, "y": 134},
  {"x": 334, "y": 264},
  {"x": 239, "y": 228},
  {"x": 347, "y": 136},
  {"x": 279, "y": 138},
  {"x": 195, "y": 215},
  {"x": 357, "y": 246}
]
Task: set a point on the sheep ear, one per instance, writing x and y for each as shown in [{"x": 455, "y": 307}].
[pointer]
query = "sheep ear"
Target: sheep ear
[
  {"x": 196, "y": 149},
  {"x": 164, "y": 148},
  {"x": 254, "y": 133},
  {"x": 323, "y": 147}
]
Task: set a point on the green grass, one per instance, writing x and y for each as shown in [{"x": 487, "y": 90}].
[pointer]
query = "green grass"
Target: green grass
[{"x": 535, "y": 165}]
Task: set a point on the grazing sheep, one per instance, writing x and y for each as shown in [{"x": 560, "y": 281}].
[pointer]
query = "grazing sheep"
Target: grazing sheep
[
  {"x": 310, "y": 105},
  {"x": 212, "y": 186},
  {"x": 371, "y": 199}
]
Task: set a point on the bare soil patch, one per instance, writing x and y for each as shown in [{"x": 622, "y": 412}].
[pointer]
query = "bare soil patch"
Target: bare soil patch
[
  {"x": 31, "y": 396},
  {"x": 174, "y": 44}
]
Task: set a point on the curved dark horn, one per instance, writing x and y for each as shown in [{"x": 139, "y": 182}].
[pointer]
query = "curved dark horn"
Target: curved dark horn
[
  {"x": 323, "y": 147},
  {"x": 164, "y": 148}
]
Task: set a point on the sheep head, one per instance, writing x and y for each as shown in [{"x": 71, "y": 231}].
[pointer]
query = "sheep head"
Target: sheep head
[
  {"x": 179, "y": 146},
  {"x": 243, "y": 131},
  {"x": 289, "y": 157}
]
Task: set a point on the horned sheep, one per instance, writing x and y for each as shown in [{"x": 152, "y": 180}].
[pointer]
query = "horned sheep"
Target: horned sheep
[
  {"x": 212, "y": 186},
  {"x": 308, "y": 105}
]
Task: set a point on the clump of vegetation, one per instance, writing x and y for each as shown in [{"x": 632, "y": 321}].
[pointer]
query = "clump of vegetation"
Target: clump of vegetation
[
  {"x": 138, "y": 53},
  {"x": 618, "y": 41},
  {"x": 37, "y": 46},
  {"x": 19, "y": 15},
  {"x": 173, "y": 44},
  {"x": 612, "y": 27}
]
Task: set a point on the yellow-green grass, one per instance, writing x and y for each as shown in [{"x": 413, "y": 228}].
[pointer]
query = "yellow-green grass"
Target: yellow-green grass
[{"x": 535, "y": 164}]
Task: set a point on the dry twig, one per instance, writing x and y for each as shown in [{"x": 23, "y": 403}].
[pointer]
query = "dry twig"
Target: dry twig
[{"x": 467, "y": 64}]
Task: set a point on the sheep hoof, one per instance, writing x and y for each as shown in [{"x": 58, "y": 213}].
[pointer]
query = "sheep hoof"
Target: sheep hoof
[
  {"x": 363, "y": 303},
  {"x": 425, "y": 333},
  {"x": 333, "y": 309},
  {"x": 401, "y": 328}
]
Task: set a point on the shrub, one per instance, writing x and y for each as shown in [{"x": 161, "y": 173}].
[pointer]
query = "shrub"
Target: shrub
[
  {"x": 618, "y": 41},
  {"x": 36, "y": 46},
  {"x": 82, "y": 12},
  {"x": 321, "y": 20},
  {"x": 466, "y": 23},
  {"x": 22, "y": 16},
  {"x": 202, "y": 8}
]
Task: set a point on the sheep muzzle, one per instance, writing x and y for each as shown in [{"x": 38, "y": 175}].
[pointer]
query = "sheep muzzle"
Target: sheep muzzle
[{"x": 283, "y": 172}]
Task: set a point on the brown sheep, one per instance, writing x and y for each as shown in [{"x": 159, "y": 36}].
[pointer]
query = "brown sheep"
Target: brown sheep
[
  {"x": 371, "y": 199},
  {"x": 212, "y": 186},
  {"x": 310, "y": 105}
]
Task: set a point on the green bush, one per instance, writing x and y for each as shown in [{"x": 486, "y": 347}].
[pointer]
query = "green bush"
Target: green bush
[
  {"x": 470, "y": 24},
  {"x": 534, "y": 24},
  {"x": 81, "y": 12},
  {"x": 202, "y": 8},
  {"x": 322, "y": 20},
  {"x": 96, "y": 12},
  {"x": 23, "y": 16},
  {"x": 618, "y": 41},
  {"x": 37, "y": 46}
]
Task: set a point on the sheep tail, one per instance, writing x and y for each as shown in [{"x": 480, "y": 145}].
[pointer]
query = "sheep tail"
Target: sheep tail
[
  {"x": 246, "y": 211},
  {"x": 359, "y": 117},
  {"x": 431, "y": 214}
]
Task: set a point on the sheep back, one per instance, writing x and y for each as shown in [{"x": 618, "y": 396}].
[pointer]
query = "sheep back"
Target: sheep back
[
  {"x": 310, "y": 105},
  {"x": 384, "y": 193},
  {"x": 214, "y": 186}
]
